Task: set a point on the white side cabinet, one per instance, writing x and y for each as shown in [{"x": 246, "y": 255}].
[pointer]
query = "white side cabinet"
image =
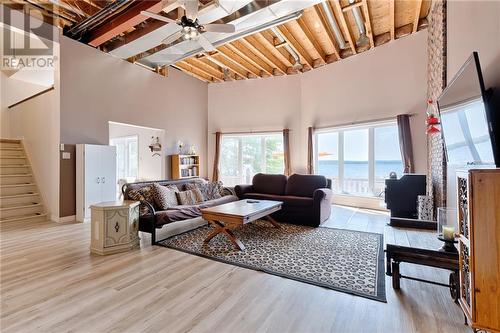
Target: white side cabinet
[
  {"x": 114, "y": 227},
  {"x": 95, "y": 177}
]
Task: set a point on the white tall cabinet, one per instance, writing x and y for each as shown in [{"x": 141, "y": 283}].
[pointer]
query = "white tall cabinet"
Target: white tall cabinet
[{"x": 95, "y": 177}]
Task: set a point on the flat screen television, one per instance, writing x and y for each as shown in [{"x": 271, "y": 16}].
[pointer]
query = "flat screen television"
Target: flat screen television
[{"x": 469, "y": 118}]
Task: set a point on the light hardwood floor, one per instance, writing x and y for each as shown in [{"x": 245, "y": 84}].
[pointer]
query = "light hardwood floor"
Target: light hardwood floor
[{"x": 51, "y": 283}]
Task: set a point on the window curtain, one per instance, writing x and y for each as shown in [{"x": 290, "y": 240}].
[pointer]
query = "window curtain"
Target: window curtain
[
  {"x": 310, "y": 151},
  {"x": 215, "y": 176},
  {"x": 405, "y": 144},
  {"x": 286, "y": 151}
]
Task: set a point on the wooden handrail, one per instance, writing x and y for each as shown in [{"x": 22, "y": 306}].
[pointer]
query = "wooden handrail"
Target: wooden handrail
[{"x": 31, "y": 97}]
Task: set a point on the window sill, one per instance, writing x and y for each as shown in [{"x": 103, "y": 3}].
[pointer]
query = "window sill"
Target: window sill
[{"x": 369, "y": 202}]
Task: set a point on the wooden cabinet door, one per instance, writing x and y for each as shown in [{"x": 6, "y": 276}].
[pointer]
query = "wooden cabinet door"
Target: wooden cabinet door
[
  {"x": 108, "y": 173},
  {"x": 116, "y": 227},
  {"x": 92, "y": 177},
  {"x": 485, "y": 198}
]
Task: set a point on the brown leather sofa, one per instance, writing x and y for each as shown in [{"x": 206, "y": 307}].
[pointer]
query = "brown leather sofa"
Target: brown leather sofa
[
  {"x": 306, "y": 198},
  {"x": 179, "y": 218}
]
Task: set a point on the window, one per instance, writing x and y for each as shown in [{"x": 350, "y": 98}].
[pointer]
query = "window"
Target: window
[
  {"x": 127, "y": 157},
  {"x": 244, "y": 155},
  {"x": 358, "y": 159}
]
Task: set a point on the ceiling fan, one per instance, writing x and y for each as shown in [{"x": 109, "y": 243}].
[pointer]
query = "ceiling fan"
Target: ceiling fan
[{"x": 189, "y": 27}]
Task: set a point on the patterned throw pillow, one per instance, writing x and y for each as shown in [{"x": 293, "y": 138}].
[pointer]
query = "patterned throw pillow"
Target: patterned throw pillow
[
  {"x": 164, "y": 196},
  {"x": 190, "y": 197},
  {"x": 209, "y": 190},
  {"x": 142, "y": 194}
]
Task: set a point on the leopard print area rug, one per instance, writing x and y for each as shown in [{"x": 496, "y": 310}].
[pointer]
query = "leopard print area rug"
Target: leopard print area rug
[{"x": 343, "y": 260}]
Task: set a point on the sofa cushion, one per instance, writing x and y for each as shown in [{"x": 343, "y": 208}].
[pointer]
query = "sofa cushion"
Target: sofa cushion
[
  {"x": 209, "y": 190},
  {"x": 269, "y": 184},
  {"x": 180, "y": 213},
  {"x": 164, "y": 196},
  {"x": 304, "y": 185},
  {"x": 219, "y": 201},
  {"x": 184, "y": 212},
  {"x": 189, "y": 197},
  {"x": 287, "y": 200},
  {"x": 142, "y": 194}
]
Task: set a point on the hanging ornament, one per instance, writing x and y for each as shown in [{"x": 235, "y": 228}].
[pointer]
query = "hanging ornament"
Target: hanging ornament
[{"x": 432, "y": 120}]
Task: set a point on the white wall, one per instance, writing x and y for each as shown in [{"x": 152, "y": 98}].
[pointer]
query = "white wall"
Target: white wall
[
  {"x": 254, "y": 105},
  {"x": 150, "y": 167},
  {"x": 13, "y": 91},
  {"x": 4, "y": 112},
  {"x": 380, "y": 83},
  {"x": 97, "y": 88},
  {"x": 474, "y": 26}
]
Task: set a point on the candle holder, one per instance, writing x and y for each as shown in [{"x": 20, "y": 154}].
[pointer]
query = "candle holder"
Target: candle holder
[{"x": 447, "y": 227}]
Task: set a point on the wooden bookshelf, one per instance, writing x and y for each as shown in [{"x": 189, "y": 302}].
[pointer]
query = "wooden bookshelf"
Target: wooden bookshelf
[{"x": 185, "y": 166}]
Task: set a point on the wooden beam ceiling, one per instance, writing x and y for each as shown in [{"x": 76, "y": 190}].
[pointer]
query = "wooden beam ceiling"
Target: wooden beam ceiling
[
  {"x": 418, "y": 7},
  {"x": 327, "y": 31},
  {"x": 345, "y": 28},
  {"x": 264, "y": 53},
  {"x": 123, "y": 21},
  {"x": 310, "y": 36},
  {"x": 392, "y": 22},
  {"x": 368, "y": 22}
]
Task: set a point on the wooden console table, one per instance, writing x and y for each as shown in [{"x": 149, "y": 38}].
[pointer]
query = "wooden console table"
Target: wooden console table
[{"x": 397, "y": 254}]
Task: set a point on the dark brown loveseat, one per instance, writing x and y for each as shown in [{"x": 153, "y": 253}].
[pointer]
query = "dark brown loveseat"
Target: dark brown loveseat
[
  {"x": 306, "y": 198},
  {"x": 180, "y": 217}
]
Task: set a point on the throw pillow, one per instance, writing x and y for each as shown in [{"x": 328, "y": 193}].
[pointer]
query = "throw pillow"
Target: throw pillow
[
  {"x": 142, "y": 194},
  {"x": 164, "y": 196},
  {"x": 190, "y": 197},
  {"x": 209, "y": 191}
]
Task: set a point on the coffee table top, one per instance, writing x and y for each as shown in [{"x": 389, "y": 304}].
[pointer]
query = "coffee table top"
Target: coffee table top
[{"x": 244, "y": 209}]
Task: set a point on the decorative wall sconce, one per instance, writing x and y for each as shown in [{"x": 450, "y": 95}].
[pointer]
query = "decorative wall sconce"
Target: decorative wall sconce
[{"x": 155, "y": 146}]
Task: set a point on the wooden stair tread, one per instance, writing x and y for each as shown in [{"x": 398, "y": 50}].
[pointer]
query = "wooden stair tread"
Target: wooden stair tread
[
  {"x": 16, "y": 175},
  {"x": 19, "y": 195},
  {"x": 10, "y": 141},
  {"x": 17, "y": 185},
  {"x": 22, "y": 206},
  {"x": 11, "y": 148},
  {"x": 23, "y": 217}
]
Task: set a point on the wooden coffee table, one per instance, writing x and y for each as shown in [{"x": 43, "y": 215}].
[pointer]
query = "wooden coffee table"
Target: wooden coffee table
[{"x": 234, "y": 214}]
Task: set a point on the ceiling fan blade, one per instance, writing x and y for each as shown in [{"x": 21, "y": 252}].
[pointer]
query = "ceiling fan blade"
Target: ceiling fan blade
[
  {"x": 173, "y": 37},
  {"x": 191, "y": 7},
  {"x": 158, "y": 17},
  {"x": 205, "y": 43},
  {"x": 224, "y": 28}
]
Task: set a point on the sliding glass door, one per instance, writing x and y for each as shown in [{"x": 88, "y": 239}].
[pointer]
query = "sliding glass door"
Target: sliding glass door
[{"x": 358, "y": 159}]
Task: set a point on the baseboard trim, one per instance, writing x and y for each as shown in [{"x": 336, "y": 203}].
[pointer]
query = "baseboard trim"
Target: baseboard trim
[
  {"x": 65, "y": 219},
  {"x": 413, "y": 223}
]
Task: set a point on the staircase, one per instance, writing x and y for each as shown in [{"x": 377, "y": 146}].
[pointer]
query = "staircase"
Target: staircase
[{"x": 19, "y": 197}]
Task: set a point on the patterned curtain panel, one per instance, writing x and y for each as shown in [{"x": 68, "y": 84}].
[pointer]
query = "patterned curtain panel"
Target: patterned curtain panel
[
  {"x": 286, "y": 151},
  {"x": 215, "y": 176},
  {"x": 405, "y": 144},
  {"x": 310, "y": 151}
]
